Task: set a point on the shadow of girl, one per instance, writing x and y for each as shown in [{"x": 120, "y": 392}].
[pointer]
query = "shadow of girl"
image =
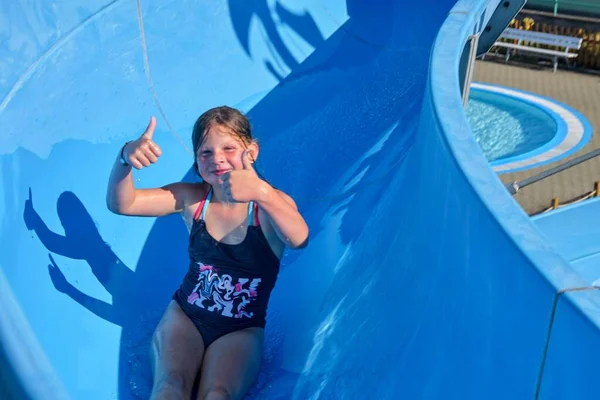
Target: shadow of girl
[
  {"x": 82, "y": 241},
  {"x": 138, "y": 297}
]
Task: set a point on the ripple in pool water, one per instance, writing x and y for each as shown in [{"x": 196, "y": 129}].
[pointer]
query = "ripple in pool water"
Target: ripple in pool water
[{"x": 505, "y": 127}]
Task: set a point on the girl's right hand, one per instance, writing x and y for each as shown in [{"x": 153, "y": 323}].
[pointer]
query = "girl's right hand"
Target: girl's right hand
[{"x": 142, "y": 152}]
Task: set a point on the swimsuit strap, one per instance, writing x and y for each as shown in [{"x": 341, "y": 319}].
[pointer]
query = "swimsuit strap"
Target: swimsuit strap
[
  {"x": 203, "y": 205},
  {"x": 253, "y": 214}
]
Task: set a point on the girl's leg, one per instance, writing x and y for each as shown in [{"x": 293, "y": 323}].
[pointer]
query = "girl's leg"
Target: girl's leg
[
  {"x": 176, "y": 353},
  {"x": 231, "y": 365}
]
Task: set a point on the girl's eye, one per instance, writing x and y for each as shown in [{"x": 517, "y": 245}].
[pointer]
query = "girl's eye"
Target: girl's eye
[{"x": 229, "y": 148}]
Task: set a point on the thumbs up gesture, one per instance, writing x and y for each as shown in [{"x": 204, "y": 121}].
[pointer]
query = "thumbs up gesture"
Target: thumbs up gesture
[
  {"x": 242, "y": 185},
  {"x": 142, "y": 152}
]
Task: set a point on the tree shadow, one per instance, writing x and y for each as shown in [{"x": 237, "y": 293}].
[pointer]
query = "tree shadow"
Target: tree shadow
[{"x": 243, "y": 11}]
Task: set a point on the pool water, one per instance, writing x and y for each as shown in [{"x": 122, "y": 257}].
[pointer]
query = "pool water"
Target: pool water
[{"x": 506, "y": 127}]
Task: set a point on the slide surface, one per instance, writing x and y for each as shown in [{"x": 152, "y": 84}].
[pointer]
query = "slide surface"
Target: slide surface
[{"x": 422, "y": 279}]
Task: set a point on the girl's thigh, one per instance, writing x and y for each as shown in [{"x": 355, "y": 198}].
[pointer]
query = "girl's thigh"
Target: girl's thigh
[
  {"x": 231, "y": 364},
  {"x": 177, "y": 349}
]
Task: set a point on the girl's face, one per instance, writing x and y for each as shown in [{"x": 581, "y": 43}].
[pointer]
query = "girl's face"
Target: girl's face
[{"x": 221, "y": 152}]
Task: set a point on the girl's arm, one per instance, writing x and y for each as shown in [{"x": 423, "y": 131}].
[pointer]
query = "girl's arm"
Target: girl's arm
[
  {"x": 245, "y": 185},
  {"x": 123, "y": 198},
  {"x": 283, "y": 215}
]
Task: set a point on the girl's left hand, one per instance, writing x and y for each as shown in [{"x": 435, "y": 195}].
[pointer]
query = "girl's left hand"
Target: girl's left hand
[{"x": 242, "y": 186}]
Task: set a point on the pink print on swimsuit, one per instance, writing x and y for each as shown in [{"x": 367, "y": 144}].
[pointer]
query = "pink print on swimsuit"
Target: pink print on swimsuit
[{"x": 218, "y": 293}]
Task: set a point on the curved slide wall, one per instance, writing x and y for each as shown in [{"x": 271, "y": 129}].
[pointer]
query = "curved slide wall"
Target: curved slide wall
[{"x": 422, "y": 279}]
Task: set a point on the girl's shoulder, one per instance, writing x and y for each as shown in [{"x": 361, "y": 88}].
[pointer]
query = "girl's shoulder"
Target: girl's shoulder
[
  {"x": 198, "y": 191},
  {"x": 188, "y": 192},
  {"x": 194, "y": 194}
]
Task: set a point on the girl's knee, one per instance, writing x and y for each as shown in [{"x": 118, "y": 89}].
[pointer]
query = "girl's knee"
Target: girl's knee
[
  {"x": 173, "y": 383},
  {"x": 217, "y": 393}
]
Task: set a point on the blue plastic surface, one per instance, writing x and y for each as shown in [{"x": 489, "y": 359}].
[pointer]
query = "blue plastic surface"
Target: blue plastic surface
[
  {"x": 573, "y": 350},
  {"x": 423, "y": 278},
  {"x": 572, "y": 231}
]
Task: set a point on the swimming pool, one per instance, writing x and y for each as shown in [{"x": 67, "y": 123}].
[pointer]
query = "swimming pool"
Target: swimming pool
[{"x": 517, "y": 130}]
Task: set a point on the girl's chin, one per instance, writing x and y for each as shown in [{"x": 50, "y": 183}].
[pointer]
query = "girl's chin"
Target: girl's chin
[{"x": 213, "y": 180}]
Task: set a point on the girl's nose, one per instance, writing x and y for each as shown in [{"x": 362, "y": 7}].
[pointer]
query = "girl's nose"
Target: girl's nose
[{"x": 219, "y": 157}]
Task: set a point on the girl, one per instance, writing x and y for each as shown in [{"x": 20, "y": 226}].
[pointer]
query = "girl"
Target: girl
[{"x": 239, "y": 226}]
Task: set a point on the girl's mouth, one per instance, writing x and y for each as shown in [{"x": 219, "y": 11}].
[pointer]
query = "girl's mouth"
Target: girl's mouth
[{"x": 221, "y": 172}]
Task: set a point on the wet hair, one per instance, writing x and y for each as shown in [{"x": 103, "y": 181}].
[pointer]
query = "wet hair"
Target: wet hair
[{"x": 223, "y": 116}]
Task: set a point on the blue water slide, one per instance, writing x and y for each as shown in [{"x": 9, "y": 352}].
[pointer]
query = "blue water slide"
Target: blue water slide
[{"x": 423, "y": 277}]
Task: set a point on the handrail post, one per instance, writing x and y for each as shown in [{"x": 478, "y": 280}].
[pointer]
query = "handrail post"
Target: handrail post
[{"x": 474, "y": 39}]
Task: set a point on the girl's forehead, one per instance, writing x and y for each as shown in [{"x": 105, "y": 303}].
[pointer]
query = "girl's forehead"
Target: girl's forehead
[{"x": 219, "y": 134}]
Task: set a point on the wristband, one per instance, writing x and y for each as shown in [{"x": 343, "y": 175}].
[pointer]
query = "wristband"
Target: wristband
[{"x": 122, "y": 158}]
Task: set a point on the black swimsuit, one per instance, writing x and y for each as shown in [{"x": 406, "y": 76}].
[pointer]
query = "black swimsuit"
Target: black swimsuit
[{"x": 227, "y": 286}]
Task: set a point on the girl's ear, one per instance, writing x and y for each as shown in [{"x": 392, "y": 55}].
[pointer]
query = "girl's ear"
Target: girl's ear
[{"x": 253, "y": 148}]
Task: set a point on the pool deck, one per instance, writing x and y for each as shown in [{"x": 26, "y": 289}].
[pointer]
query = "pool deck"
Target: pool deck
[{"x": 580, "y": 91}]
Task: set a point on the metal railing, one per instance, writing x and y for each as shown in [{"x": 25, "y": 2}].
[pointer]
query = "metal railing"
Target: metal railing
[
  {"x": 568, "y": 6},
  {"x": 514, "y": 187}
]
